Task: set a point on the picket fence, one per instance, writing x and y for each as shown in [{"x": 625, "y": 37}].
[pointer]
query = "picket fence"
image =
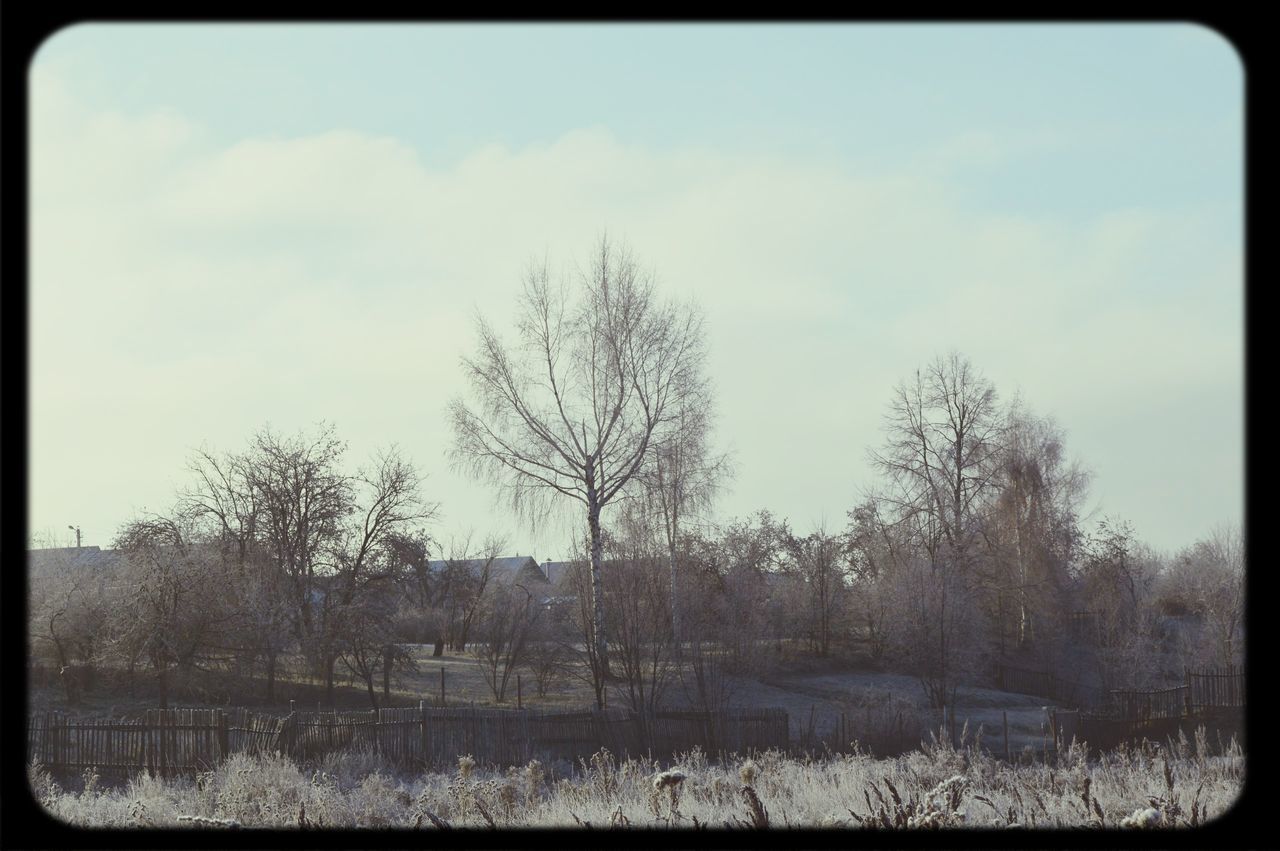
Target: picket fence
[
  {"x": 185, "y": 741},
  {"x": 1047, "y": 684},
  {"x": 1201, "y": 691}
]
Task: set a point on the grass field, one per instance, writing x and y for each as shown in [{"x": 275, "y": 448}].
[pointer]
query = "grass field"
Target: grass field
[{"x": 1180, "y": 784}]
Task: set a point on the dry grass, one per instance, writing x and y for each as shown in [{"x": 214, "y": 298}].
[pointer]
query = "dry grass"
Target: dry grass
[{"x": 937, "y": 787}]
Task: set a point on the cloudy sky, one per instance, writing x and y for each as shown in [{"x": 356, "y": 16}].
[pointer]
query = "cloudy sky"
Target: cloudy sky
[{"x": 235, "y": 226}]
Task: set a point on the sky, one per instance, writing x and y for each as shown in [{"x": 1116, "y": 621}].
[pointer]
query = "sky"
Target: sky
[{"x": 235, "y": 226}]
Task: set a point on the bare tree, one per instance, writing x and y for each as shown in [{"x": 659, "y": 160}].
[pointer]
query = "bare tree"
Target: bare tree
[
  {"x": 934, "y": 630},
  {"x": 748, "y": 569},
  {"x": 178, "y": 616},
  {"x": 68, "y": 609},
  {"x": 368, "y": 646},
  {"x": 1116, "y": 578},
  {"x": 1223, "y": 600},
  {"x": 304, "y": 497},
  {"x": 875, "y": 549},
  {"x": 225, "y": 507},
  {"x": 714, "y": 629},
  {"x": 816, "y": 560},
  {"x": 549, "y": 653},
  {"x": 942, "y": 442},
  {"x": 303, "y": 540},
  {"x": 943, "y": 438},
  {"x": 386, "y": 505},
  {"x": 1031, "y": 527},
  {"x": 459, "y": 589},
  {"x": 639, "y": 617},
  {"x": 1207, "y": 582},
  {"x": 509, "y": 619},
  {"x": 575, "y": 409},
  {"x": 681, "y": 479}
]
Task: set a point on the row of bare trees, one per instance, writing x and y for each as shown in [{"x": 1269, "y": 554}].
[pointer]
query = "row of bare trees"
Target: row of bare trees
[
  {"x": 968, "y": 547},
  {"x": 276, "y": 553},
  {"x": 972, "y": 548}
]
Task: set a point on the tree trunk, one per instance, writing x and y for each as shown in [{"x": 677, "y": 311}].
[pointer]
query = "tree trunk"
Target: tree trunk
[
  {"x": 597, "y": 589},
  {"x": 675, "y": 605},
  {"x": 388, "y": 658},
  {"x": 438, "y": 651}
]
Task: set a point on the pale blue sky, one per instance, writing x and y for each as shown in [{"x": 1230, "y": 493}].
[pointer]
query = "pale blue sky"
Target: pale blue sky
[{"x": 235, "y": 224}]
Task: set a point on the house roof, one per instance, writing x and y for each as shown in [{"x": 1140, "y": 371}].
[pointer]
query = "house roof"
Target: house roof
[
  {"x": 47, "y": 560},
  {"x": 556, "y": 571},
  {"x": 506, "y": 568}
]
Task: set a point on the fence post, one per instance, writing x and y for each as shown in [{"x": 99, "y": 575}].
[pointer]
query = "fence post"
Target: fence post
[
  {"x": 1186, "y": 703},
  {"x": 288, "y": 731},
  {"x": 45, "y": 755},
  {"x": 148, "y": 750},
  {"x": 160, "y": 717},
  {"x": 1004, "y": 717},
  {"x": 223, "y": 736},
  {"x": 519, "y": 701},
  {"x": 442, "y": 685},
  {"x": 55, "y": 741},
  {"x": 422, "y": 717}
]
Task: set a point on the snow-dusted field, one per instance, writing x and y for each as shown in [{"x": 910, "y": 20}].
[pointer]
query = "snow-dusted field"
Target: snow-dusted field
[
  {"x": 823, "y": 696},
  {"x": 935, "y": 787}
]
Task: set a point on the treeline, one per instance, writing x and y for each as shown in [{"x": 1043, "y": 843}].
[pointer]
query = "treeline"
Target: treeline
[
  {"x": 967, "y": 548},
  {"x": 271, "y": 554},
  {"x": 970, "y": 549}
]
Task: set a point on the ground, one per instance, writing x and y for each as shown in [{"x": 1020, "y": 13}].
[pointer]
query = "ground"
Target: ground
[{"x": 814, "y": 692}]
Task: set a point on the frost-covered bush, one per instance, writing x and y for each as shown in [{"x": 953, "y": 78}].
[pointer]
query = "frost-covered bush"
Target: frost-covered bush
[{"x": 938, "y": 787}]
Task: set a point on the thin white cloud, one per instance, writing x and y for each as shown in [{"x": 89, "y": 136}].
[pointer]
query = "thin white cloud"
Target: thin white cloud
[{"x": 183, "y": 293}]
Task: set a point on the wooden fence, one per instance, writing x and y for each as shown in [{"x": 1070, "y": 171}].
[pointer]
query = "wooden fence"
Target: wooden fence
[
  {"x": 1147, "y": 705},
  {"x": 1047, "y": 684},
  {"x": 1201, "y": 690},
  {"x": 164, "y": 741},
  {"x": 1215, "y": 688},
  {"x": 1214, "y": 697},
  {"x": 184, "y": 741}
]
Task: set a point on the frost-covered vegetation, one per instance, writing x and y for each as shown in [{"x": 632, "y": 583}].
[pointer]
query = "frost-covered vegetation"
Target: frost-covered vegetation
[{"x": 1181, "y": 784}]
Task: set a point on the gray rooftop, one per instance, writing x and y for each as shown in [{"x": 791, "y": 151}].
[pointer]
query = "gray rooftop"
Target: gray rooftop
[
  {"x": 504, "y": 568},
  {"x": 46, "y": 560}
]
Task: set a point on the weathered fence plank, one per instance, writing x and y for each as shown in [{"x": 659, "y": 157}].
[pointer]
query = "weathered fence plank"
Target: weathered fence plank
[{"x": 185, "y": 741}]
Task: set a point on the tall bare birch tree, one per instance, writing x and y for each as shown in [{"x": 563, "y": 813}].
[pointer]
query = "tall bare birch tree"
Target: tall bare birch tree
[
  {"x": 1032, "y": 530},
  {"x": 574, "y": 409}
]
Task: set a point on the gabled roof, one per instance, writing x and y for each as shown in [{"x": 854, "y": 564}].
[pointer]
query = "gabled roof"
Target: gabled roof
[
  {"x": 556, "y": 571},
  {"x": 47, "y": 560},
  {"x": 504, "y": 569}
]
